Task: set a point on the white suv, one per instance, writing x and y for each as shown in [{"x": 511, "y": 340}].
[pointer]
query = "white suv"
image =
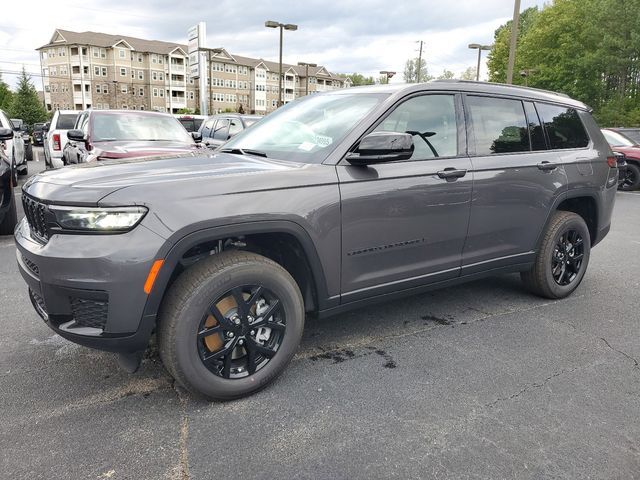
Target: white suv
[
  {"x": 56, "y": 137},
  {"x": 14, "y": 149}
]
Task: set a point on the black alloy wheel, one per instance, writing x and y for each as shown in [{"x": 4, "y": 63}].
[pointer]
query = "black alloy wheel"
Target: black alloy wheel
[
  {"x": 567, "y": 258},
  {"x": 241, "y": 332}
]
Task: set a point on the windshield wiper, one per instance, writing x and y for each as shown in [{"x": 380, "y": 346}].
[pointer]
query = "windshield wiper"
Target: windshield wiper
[{"x": 244, "y": 151}]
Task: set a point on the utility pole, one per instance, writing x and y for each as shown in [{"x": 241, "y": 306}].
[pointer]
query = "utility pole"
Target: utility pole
[
  {"x": 419, "y": 66},
  {"x": 514, "y": 39}
]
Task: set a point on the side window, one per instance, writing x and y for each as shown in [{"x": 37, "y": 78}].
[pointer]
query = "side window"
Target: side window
[
  {"x": 208, "y": 128},
  {"x": 499, "y": 125},
  {"x": 535, "y": 127},
  {"x": 221, "y": 131},
  {"x": 235, "y": 126},
  {"x": 431, "y": 120},
  {"x": 564, "y": 127}
]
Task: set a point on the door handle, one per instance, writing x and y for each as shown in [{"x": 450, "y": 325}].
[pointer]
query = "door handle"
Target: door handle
[
  {"x": 547, "y": 166},
  {"x": 452, "y": 173}
]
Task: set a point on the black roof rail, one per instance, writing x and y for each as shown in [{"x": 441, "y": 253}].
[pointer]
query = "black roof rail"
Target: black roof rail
[{"x": 453, "y": 80}]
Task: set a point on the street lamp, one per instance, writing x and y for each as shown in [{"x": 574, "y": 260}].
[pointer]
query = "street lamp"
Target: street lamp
[
  {"x": 388, "y": 74},
  {"x": 306, "y": 72},
  {"x": 281, "y": 26},
  {"x": 480, "y": 48}
]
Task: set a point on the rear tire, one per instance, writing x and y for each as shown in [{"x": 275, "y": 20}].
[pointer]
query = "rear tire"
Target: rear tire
[
  {"x": 562, "y": 258},
  {"x": 632, "y": 178},
  {"x": 188, "y": 303},
  {"x": 28, "y": 152},
  {"x": 10, "y": 219}
]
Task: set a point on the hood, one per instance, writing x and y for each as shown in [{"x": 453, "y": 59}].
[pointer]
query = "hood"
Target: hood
[
  {"x": 87, "y": 183},
  {"x": 127, "y": 149},
  {"x": 629, "y": 152}
]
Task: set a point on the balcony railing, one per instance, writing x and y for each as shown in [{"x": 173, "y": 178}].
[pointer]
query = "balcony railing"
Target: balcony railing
[{"x": 177, "y": 68}]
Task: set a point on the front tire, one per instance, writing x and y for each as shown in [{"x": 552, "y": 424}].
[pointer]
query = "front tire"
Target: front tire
[
  {"x": 562, "y": 258},
  {"x": 230, "y": 324},
  {"x": 10, "y": 219}
]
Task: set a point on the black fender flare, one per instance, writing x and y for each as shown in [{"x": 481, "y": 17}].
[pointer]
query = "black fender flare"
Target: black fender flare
[{"x": 175, "y": 251}]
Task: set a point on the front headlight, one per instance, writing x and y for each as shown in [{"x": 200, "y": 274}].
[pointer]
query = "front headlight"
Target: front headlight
[{"x": 107, "y": 219}]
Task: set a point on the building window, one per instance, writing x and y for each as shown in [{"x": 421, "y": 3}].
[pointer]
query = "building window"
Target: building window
[
  {"x": 160, "y": 76},
  {"x": 141, "y": 107},
  {"x": 121, "y": 53},
  {"x": 98, "y": 89},
  {"x": 124, "y": 107},
  {"x": 161, "y": 92},
  {"x": 123, "y": 72},
  {"x": 140, "y": 74},
  {"x": 191, "y": 96},
  {"x": 104, "y": 71},
  {"x": 62, "y": 52},
  {"x": 105, "y": 88},
  {"x": 154, "y": 75},
  {"x": 141, "y": 91},
  {"x": 123, "y": 88},
  {"x": 53, "y": 71},
  {"x": 155, "y": 92},
  {"x": 133, "y": 73},
  {"x": 96, "y": 71}
]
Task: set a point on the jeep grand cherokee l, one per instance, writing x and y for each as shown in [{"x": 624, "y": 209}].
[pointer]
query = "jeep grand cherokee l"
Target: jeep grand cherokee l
[{"x": 333, "y": 201}]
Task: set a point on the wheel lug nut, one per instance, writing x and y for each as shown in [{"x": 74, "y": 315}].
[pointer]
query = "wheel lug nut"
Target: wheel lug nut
[
  {"x": 241, "y": 342},
  {"x": 230, "y": 334}
]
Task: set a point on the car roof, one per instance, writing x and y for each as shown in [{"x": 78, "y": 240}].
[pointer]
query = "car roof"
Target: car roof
[
  {"x": 490, "y": 88},
  {"x": 68, "y": 111}
]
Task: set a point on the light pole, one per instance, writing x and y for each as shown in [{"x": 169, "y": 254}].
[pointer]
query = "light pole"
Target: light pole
[
  {"x": 480, "y": 48},
  {"x": 306, "y": 72},
  {"x": 514, "y": 39},
  {"x": 282, "y": 26},
  {"x": 419, "y": 62},
  {"x": 388, "y": 74}
]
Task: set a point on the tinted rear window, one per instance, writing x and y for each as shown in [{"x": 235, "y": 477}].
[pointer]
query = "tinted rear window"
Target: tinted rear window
[
  {"x": 499, "y": 125},
  {"x": 563, "y": 125},
  {"x": 191, "y": 124},
  {"x": 66, "y": 121}
]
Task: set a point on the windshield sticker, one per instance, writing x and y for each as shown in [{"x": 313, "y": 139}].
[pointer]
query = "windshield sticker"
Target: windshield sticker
[
  {"x": 323, "y": 141},
  {"x": 307, "y": 146}
]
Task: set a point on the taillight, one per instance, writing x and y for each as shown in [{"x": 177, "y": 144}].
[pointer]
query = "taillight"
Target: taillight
[
  {"x": 612, "y": 161},
  {"x": 56, "y": 141}
]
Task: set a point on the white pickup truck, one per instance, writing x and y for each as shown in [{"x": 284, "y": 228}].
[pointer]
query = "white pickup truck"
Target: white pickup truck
[{"x": 56, "y": 137}]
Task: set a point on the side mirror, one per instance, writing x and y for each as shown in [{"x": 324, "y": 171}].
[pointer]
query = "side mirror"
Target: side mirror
[
  {"x": 380, "y": 147},
  {"x": 76, "y": 135},
  {"x": 197, "y": 137},
  {"x": 45, "y": 127},
  {"x": 6, "y": 134}
]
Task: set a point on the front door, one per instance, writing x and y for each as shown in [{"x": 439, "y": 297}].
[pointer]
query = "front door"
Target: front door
[{"x": 404, "y": 223}]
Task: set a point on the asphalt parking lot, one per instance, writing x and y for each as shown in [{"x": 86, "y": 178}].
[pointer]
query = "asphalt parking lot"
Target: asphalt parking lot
[{"x": 478, "y": 381}]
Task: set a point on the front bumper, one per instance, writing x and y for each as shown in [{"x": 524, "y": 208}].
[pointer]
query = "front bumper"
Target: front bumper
[{"x": 89, "y": 288}]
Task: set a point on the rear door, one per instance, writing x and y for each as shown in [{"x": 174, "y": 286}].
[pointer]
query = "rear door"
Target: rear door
[
  {"x": 516, "y": 181},
  {"x": 403, "y": 224}
]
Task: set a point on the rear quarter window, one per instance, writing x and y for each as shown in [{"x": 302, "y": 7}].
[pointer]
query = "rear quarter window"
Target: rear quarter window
[
  {"x": 563, "y": 126},
  {"x": 66, "y": 121}
]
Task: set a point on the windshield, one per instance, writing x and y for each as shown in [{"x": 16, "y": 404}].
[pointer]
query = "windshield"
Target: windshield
[
  {"x": 137, "y": 126},
  {"x": 191, "y": 124},
  {"x": 66, "y": 121},
  {"x": 616, "y": 140},
  {"x": 308, "y": 129}
]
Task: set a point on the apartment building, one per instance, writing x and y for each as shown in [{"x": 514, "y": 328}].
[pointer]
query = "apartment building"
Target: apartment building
[{"x": 103, "y": 71}]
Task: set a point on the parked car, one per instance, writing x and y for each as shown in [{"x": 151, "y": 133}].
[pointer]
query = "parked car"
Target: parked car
[
  {"x": 14, "y": 148},
  {"x": 631, "y": 133},
  {"x": 191, "y": 123},
  {"x": 217, "y": 129},
  {"x": 8, "y": 212},
  {"x": 55, "y": 138},
  {"x": 109, "y": 134},
  {"x": 38, "y": 134},
  {"x": 21, "y": 127},
  {"x": 631, "y": 151},
  {"x": 334, "y": 201}
]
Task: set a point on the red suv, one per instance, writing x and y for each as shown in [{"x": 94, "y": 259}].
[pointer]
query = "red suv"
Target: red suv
[{"x": 631, "y": 150}]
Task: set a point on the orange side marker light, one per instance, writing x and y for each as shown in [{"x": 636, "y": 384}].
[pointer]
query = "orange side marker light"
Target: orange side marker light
[{"x": 153, "y": 274}]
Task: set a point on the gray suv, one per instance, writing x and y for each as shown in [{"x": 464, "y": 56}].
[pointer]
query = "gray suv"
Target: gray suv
[{"x": 333, "y": 201}]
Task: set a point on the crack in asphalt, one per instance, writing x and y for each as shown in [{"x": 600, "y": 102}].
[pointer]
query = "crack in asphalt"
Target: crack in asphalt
[
  {"x": 528, "y": 387},
  {"x": 181, "y": 470},
  {"x": 633, "y": 359}
]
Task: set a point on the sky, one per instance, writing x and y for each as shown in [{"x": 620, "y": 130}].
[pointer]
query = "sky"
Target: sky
[{"x": 346, "y": 36}]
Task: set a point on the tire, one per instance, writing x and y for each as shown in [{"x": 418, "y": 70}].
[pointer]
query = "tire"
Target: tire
[
  {"x": 28, "y": 149},
  {"x": 10, "y": 219},
  {"x": 632, "y": 178},
  {"x": 25, "y": 169},
  {"x": 540, "y": 279},
  {"x": 195, "y": 292}
]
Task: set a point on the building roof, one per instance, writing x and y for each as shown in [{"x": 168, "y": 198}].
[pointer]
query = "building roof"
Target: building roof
[{"x": 104, "y": 40}]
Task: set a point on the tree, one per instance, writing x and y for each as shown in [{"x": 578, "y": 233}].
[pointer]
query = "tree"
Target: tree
[
  {"x": 446, "y": 75},
  {"x": 468, "y": 74},
  {"x": 411, "y": 71},
  {"x": 26, "y": 104},
  {"x": 6, "y": 95},
  {"x": 358, "y": 79}
]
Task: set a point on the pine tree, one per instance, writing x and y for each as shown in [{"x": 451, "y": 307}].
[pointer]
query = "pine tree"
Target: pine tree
[
  {"x": 26, "y": 104},
  {"x": 6, "y": 95}
]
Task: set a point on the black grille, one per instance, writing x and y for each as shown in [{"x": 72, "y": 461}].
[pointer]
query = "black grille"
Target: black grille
[
  {"x": 35, "y": 213},
  {"x": 31, "y": 266},
  {"x": 89, "y": 313}
]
